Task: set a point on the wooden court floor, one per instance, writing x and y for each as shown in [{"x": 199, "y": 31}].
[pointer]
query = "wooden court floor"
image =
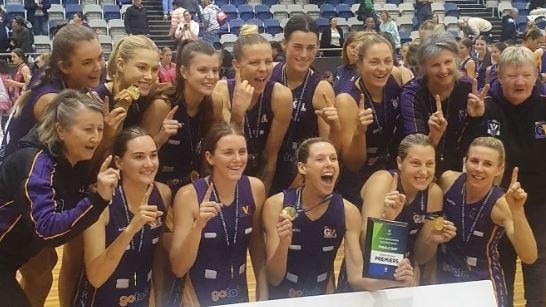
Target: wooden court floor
[{"x": 53, "y": 299}]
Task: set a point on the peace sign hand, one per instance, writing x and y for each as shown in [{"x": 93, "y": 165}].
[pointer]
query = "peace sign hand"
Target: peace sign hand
[
  {"x": 516, "y": 195},
  {"x": 242, "y": 94},
  {"x": 475, "y": 106},
  {"x": 437, "y": 124},
  {"x": 207, "y": 209},
  {"x": 170, "y": 126},
  {"x": 107, "y": 180},
  {"x": 394, "y": 201},
  {"x": 365, "y": 115},
  {"x": 329, "y": 113}
]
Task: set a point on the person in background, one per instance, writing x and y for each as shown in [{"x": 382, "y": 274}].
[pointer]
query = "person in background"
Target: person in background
[
  {"x": 177, "y": 15},
  {"x": 468, "y": 65},
  {"x": 482, "y": 56},
  {"x": 328, "y": 76},
  {"x": 22, "y": 74},
  {"x": 509, "y": 30},
  {"x": 491, "y": 73},
  {"x": 188, "y": 29},
  {"x": 370, "y": 25},
  {"x": 79, "y": 19},
  {"x": 278, "y": 53},
  {"x": 438, "y": 25},
  {"x": 423, "y": 11},
  {"x": 473, "y": 27},
  {"x": 167, "y": 8},
  {"x": 348, "y": 72},
  {"x": 388, "y": 25},
  {"x": 167, "y": 69},
  {"x": 210, "y": 23},
  {"x": 5, "y": 101},
  {"x": 136, "y": 19},
  {"x": 194, "y": 8},
  {"x": 332, "y": 37},
  {"x": 21, "y": 36},
  {"x": 38, "y": 16}
]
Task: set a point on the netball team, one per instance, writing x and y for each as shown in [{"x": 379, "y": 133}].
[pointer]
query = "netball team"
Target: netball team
[{"x": 158, "y": 191}]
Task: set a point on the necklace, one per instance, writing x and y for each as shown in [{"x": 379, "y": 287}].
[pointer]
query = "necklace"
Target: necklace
[
  {"x": 132, "y": 245},
  {"x": 299, "y": 202},
  {"x": 297, "y": 107},
  {"x": 230, "y": 245},
  {"x": 466, "y": 237},
  {"x": 253, "y": 134}
]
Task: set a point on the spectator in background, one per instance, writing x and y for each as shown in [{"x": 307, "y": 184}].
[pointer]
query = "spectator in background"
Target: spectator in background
[
  {"x": 177, "y": 15},
  {"x": 21, "y": 36},
  {"x": 5, "y": 101},
  {"x": 332, "y": 37},
  {"x": 167, "y": 8},
  {"x": 37, "y": 15},
  {"x": 210, "y": 23},
  {"x": 79, "y": 19},
  {"x": 4, "y": 35},
  {"x": 278, "y": 54},
  {"x": 188, "y": 28},
  {"x": 509, "y": 28},
  {"x": 328, "y": 76},
  {"x": 370, "y": 25},
  {"x": 167, "y": 69},
  {"x": 193, "y": 7},
  {"x": 423, "y": 11},
  {"x": 388, "y": 25},
  {"x": 438, "y": 25},
  {"x": 22, "y": 74},
  {"x": 136, "y": 19},
  {"x": 473, "y": 27}
]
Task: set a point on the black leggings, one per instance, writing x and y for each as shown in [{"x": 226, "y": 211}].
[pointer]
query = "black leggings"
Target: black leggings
[{"x": 11, "y": 293}]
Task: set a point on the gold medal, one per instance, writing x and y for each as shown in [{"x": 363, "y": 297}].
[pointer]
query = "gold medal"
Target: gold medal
[
  {"x": 290, "y": 213},
  {"x": 438, "y": 223},
  {"x": 125, "y": 103}
]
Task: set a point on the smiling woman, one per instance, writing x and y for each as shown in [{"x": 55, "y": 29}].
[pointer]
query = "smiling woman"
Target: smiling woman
[{"x": 216, "y": 221}]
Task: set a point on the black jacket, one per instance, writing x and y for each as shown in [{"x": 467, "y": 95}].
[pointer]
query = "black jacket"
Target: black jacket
[
  {"x": 42, "y": 203},
  {"x": 522, "y": 129},
  {"x": 136, "y": 20},
  {"x": 509, "y": 29},
  {"x": 326, "y": 38},
  {"x": 32, "y": 7}
]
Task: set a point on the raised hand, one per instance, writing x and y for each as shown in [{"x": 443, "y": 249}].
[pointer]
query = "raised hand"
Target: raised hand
[
  {"x": 447, "y": 232},
  {"x": 404, "y": 273},
  {"x": 329, "y": 113},
  {"x": 437, "y": 123},
  {"x": 365, "y": 115},
  {"x": 113, "y": 120},
  {"x": 394, "y": 201},
  {"x": 242, "y": 95},
  {"x": 207, "y": 209},
  {"x": 146, "y": 214},
  {"x": 475, "y": 105},
  {"x": 284, "y": 229},
  {"x": 107, "y": 180},
  {"x": 516, "y": 195},
  {"x": 169, "y": 128}
]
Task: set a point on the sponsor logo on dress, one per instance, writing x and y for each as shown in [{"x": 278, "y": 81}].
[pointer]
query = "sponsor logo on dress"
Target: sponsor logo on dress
[
  {"x": 540, "y": 130},
  {"x": 493, "y": 127},
  {"x": 329, "y": 233}
]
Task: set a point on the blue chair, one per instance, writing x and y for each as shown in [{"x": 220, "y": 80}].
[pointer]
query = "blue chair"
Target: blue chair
[
  {"x": 53, "y": 24},
  {"x": 327, "y": 11},
  {"x": 257, "y": 22},
  {"x": 332, "y": 2},
  {"x": 349, "y": 2},
  {"x": 521, "y": 6},
  {"x": 270, "y": 2},
  {"x": 246, "y": 12},
  {"x": 272, "y": 26},
  {"x": 541, "y": 23},
  {"x": 72, "y": 9},
  {"x": 521, "y": 22},
  {"x": 68, "y": 2},
  {"x": 263, "y": 12},
  {"x": 404, "y": 37},
  {"x": 322, "y": 23},
  {"x": 221, "y": 3},
  {"x": 238, "y": 3},
  {"x": 344, "y": 11},
  {"x": 53, "y": 1},
  {"x": 235, "y": 26},
  {"x": 451, "y": 9},
  {"x": 15, "y": 10},
  {"x": 397, "y": 2},
  {"x": 231, "y": 11},
  {"x": 111, "y": 12}
]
